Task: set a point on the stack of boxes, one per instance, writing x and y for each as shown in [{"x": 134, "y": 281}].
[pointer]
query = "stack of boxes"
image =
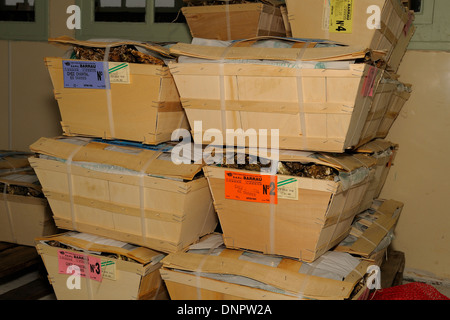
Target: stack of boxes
[
  {"x": 332, "y": 94},
  {"x": 24, "y": 212},
  {"x": 111, "y": 175},
  {"x": 318, "y": 106}
]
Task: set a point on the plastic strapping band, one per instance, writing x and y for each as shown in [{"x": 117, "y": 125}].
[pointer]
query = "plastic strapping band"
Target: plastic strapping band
[
  {"x": 142, "y": 175},
  {"x": 69, "y": 182},
  {"x": 108, "y": 92},
  {"x": 198, "y": 271},
  {"x": 273, "y": 210},
  {"x": 300, "y": 96},
  {"x": 88, "y": 279},
  {"x": 8, "y": 211},
  {"x": 271, "y": 20},
  {"x": 301, "y": 293},
  {"x": 379, "y": 225},
  {"x": 368, "y": 240}
]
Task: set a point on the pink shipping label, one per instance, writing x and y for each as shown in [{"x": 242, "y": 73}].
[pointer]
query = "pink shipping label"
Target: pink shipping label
[
  {"x": 89, "y": 266},
  {"x": 369, "y": 82}
]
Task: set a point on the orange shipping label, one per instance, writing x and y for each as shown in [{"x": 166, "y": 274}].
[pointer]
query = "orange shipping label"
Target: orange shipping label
[{"x": 251, "y": 187}]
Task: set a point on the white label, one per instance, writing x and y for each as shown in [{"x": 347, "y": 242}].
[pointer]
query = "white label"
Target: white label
[
  {"x": 119, "y": 72},
  {"x": 109, "y": 270},
  {"x": 288, "y": 189},
  {"x": 326, "y": 15}
]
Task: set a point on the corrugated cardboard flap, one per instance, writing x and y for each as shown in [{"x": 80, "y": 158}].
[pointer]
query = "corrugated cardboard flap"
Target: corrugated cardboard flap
[
  {"x": 365, "y": 245},
  {"x": 293, "y": 282},
  {"x": 14, "y": 178},
  {"x": 376, "y": 146},
  {"x": 14, "y": 159},
  {"x": 290, "y": 54},
  {"x": 342, "y": 162},
  {"x": 141, "y": 254},
  {"x": 68, "y": 41},
  {"x": 102, "y": 153}
]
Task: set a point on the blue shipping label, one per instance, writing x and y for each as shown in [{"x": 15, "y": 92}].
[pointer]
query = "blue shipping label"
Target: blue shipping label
[{"x": 86, "y": 74}]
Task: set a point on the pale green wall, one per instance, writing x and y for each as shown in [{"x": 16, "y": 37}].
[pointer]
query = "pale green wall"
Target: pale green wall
[{"x": 432, "y": 26}]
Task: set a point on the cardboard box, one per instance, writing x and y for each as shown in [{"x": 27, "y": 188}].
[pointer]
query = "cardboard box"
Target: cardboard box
[
  {"x": 372, "y": 231},
  {"x": 389, "y": 99},
  {"x": 24, "y": 212},
  {"x": 335, "y": 103},
  {"x": 217, "y": 273},
  {"x": 142, "y": 104},
  {"x": 11, "y": 160},
  {"x": 292, "y": 216},
  {"x": 398, "y": 99},
  {"x": 107, "y": 269},
  {"x": 136, "y": 195},
  {"x": 320, "y": 20},
  {"x": 234, "y": 21},
  {"x": 384, "y": 152}
]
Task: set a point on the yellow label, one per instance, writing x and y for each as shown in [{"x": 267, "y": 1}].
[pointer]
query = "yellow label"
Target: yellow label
[
  {"x": 119, "y": 72},
  {"x": 288, "y": 189},
  {"x": 341, "y": 16}
]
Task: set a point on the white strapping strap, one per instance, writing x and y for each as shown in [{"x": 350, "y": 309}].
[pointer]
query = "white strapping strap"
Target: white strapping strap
[
  {"x": 70, "y": 185},
  {"x": 300, "y": 96},
  {"x": 108, "y": 92},
  {"x": 142, "y": 175},
  {"x": 8, "y": 212}
]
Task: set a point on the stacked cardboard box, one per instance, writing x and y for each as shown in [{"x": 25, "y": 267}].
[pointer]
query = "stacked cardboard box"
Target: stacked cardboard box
[
  {"x": 111, "y": 174},
  {"x": 209, "y": 270},
  {"x": 332, "y": 94},
  {"x": 24, "y": 212},
  {"x": 108, "y": 269},
  {"x": 309, "y": 114}
]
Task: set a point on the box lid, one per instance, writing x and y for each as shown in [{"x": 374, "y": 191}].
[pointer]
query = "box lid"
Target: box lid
[
  {"x": 377, "y": 146},
  {"x": 96, "y": 244},
  {"x": 11, "y": 160},
  {"x": 23, "y": 178},
  {"x": 151, "y": 160},
  {"x": 68, "y": 41},
  {"x": 276, "y": 273},
  {"x": 347, "y": 162},
  {"x": 331, "y": 53}
]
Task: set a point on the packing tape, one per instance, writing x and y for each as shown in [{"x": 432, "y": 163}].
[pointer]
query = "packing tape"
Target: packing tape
[
  {"x": 70, "y": 185},
  {"x": 108, "y": 92},
  {"x": 8, "y": 212}
]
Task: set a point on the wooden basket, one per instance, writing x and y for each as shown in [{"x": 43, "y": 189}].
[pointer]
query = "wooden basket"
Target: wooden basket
[
  {"x": 235, "y": 21},
  {"x": 336, "y": 103}
]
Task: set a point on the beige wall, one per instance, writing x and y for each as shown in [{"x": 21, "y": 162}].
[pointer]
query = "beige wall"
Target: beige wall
[
  {"x": 4, "y": 89},
  {"x": 34, "y": 110},
  {"x": 421, "y": 177}
]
